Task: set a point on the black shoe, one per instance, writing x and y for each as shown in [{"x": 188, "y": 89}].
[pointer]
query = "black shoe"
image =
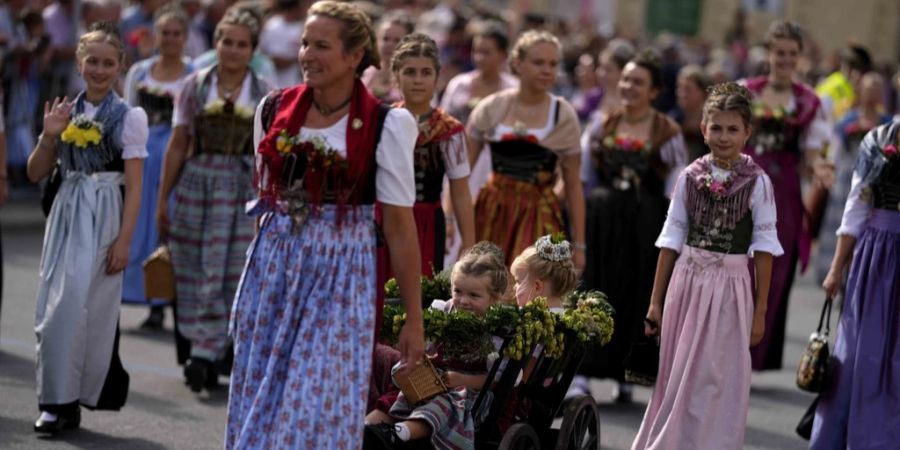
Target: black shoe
[
  {"x": 381, "y": 436},
  {"x": 155, "y": 320},
  {"x": 61, "y": 423},
  {"x": 196, "y": 372}
]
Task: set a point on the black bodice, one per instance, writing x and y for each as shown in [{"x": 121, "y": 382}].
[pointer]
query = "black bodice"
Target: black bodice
[
  {"x": 522, "y": 160},
  {"x": 157, "y": 106},
  {"x": 716, "y": 238},
  {"x": 886, "y": 188},
  {"x": 430, "y": 169}
]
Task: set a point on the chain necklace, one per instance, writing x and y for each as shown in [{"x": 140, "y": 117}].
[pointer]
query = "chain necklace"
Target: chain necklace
[{"x": 327, "y": 111}]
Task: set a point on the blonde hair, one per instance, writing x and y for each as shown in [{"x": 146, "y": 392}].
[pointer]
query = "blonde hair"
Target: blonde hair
[
  {"x": 102, "y": 32},
  {"x": 357, "y": 33},
  {"x": 529, "y": 39},
  {"x": 171, "y": 11},
  {"x": 560, "y": 275},
  {"x": 243, "y": 14},
  {"x": 487, "y": 264}
]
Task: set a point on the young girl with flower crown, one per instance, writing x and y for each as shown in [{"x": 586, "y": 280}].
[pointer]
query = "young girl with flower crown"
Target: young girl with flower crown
[
  {"x": 722, "y": 213},
  {"x": 99, "y": 143},
  {"x": 545, "y": 269},
  {"x": 478, "y": 280}
]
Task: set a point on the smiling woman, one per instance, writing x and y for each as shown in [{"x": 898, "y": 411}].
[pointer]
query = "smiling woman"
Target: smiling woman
[
  {"x": 99, "y": 143},
  {"x": 326, "y": 151}
]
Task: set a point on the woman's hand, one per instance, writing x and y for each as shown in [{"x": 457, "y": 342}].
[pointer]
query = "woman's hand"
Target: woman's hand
[
  {"x": 162, "y": 222},
  {"x": 411, "y": 344},
  {"x": 117, "y": 256},
  {"x": 833, "y": 283},
  {"x": 56, "y": 116},
  {"x": 652, "y": 321},
  {"x": 758, "y": 329},
  {"x": 450, "y": 235},
  {"x": 578, "y": 259}
]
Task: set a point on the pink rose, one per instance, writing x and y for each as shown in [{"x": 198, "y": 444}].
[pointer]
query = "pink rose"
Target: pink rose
[
  {"x": 717, "y": 187},
  {"x": 890, "y": 150}
]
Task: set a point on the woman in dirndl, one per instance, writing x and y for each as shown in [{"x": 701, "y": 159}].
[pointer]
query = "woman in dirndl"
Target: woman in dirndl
[
  {"x": 99, "y": 143},
  {"x": 153, "y": 85},
  {"x": 209, "y": 165},
  {"x": 859, "y": 407},
  {"x": 636, "y": 154},
  {"x": 530, "y": 133},
  {"x": 304, "y": 317},
  {"x": 790, "y": 129}
]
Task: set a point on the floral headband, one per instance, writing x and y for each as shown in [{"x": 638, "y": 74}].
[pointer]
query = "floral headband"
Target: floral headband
[{"x": 553, "y": 248}]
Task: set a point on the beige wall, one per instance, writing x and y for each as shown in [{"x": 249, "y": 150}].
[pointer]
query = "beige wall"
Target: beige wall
[{"x": 873, "y": 23}]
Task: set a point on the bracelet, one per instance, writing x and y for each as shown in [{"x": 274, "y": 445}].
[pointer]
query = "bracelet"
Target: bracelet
[{"x": 580, "y": 246}]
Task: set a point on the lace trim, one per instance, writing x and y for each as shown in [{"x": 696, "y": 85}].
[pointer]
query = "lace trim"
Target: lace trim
[
  {"x": 681, "y": 225},
  {"x": 764, "y": 227}
]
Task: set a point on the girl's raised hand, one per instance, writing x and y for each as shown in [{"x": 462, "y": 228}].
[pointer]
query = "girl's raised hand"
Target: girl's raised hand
[{"x": 56, "y": 116}]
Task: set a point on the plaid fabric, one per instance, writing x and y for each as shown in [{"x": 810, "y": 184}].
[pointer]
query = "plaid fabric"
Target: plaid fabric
[
  {"x": 449, "y": 415},
  {"x": 514, "y": 214},
  {"x": 209, "y": 237}
]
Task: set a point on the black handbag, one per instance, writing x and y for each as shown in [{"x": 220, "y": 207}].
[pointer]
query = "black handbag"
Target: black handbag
[
  {"x": 813, "y": 367},
  {"x": 804, "y": 428},
  {"x": 50, "y": 189},
  {"x": 642, "y": 362}
]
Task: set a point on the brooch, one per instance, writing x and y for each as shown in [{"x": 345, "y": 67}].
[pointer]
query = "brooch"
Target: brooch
[{"x": 357, "y": 123}]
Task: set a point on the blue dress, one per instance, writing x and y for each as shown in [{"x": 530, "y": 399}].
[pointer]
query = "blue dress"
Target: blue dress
[{"x": 157, "y": 100}]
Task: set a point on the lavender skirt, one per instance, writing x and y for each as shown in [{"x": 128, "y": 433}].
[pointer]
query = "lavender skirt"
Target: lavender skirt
[{"x": 861, "y": 405}]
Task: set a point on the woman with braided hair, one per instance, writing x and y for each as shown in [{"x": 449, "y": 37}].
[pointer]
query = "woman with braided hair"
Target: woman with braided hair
[{"x": 722, "y": 213}]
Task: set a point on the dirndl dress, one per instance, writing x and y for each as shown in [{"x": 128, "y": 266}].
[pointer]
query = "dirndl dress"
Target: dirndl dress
[
  {"x": 859, "y": 408},
  {"x": 77, "y": 313}
]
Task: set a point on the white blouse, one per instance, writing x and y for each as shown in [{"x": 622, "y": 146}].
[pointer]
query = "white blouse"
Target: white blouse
[
  {"x": 134, "y": 131},
  {"x": 395, "y": 178},
  {"x": 762, "y": 206},
  {"x": 856, "y": 210},
  {"x": 184, "y": 113},
  {"x": 455, "y": 156}
]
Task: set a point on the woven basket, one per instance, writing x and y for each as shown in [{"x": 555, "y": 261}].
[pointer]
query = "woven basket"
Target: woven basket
[
  {"x": 159, "y": 275},
  {"x": 421, "y": 384}
]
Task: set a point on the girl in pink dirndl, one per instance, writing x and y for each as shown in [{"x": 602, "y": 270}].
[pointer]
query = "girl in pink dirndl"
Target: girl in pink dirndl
[{"x": 722, "y": 210}]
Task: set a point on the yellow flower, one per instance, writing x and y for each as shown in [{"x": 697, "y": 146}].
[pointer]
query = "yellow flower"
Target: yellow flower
[
  {"x": 282, "y": 143},
  {"x": 81, "y": 132}
]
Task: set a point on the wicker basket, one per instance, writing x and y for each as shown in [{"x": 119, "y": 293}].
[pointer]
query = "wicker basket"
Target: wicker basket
[
  {"x": 159, "y": 275},
  {"x": 421, "y": 384}
]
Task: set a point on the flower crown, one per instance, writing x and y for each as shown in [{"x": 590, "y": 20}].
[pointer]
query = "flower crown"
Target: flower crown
[{"x": 554, "y": 248}]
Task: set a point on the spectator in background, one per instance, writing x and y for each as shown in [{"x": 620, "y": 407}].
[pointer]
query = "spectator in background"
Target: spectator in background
[
  {"x": 60, "y": 25},
  {"x": 690, "y": 93},
  {"x": 136, "y": 28},
  {"x": 838, "y": 91},
  {"x": 21, "y": 74},
  {"x": 9, "y": 11},
  {"x": 612, "y": 60},
  {"x": 280, "y": 41},
  {"x": 588, "y": 93},
  {"x": 392, "y": 27},
  {"x": 196, "y": 40}
]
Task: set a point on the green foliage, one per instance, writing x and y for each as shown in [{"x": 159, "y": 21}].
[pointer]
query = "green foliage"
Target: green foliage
[
  {"x": 437, "y": 288},
  {"x": 586, "y": 321}
]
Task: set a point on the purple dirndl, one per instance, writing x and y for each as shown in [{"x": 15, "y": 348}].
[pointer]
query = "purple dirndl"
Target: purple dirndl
[
  {"x": 859, "y": 406},
  {"x": 303, "y": 328}
]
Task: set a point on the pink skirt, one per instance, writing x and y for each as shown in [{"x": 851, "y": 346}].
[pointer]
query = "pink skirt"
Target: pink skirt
[{"x": 703, "y": 386}]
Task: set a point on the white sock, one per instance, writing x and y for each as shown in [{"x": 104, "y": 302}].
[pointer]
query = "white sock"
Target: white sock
[
  {"x": 402, "y": 431},
  {"x": 47, "y": 417}
]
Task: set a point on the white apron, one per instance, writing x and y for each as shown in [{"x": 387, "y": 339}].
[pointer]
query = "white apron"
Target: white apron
[{"x": 78, "y": 303}]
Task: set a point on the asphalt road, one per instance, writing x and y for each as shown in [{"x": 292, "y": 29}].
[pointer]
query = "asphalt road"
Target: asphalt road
[{"x": 162, "y": 413}]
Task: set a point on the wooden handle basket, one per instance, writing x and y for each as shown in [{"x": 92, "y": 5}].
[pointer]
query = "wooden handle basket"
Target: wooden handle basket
[
  {"x": 159, "y": 275},
  {"x": 422, "y": 383}
]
